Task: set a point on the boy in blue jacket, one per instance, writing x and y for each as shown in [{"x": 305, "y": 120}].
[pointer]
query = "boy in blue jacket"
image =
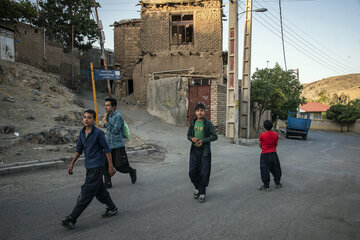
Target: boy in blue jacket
[
  {"x": 201, "y": 132},
  {"x": 92, "y": 142}
]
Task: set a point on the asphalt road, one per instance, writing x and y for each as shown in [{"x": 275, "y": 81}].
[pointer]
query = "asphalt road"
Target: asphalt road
[{"x": 320, "y": 198}]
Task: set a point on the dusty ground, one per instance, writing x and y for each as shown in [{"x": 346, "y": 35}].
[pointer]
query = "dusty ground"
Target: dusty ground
[{"x": 40, "y": 118}]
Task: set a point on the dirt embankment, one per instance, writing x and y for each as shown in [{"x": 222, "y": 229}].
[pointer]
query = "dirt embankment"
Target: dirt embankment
[{"x": 40, "y": 118}]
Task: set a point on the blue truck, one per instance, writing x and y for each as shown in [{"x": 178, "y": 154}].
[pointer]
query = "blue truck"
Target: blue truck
[{"x": 298, "y": 124}]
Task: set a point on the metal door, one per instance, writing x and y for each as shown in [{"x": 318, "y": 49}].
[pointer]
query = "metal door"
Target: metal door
[{"x": 199, "y": 94}]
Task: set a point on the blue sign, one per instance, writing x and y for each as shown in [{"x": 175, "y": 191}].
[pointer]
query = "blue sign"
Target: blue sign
[{"x": 102, "y": 74}]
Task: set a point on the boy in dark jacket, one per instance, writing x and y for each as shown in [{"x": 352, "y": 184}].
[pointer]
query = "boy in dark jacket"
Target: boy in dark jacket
[
  {"x": 201, "y": 132},
  {"x": 92, "y": 142},
  {"x": 269, "y": 161}
]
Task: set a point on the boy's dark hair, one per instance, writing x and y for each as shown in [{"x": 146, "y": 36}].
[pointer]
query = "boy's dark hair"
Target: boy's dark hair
[
  {"x": 200, "y": 106},
  {"x": 268, "y": 124},
  {"x": 92, "y": 112},
  {"x": 112, "y": 100}
]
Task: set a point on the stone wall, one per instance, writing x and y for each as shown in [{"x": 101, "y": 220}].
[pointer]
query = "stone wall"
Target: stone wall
[
  {"x": 127, "y": 51},
  {"x": 29, "y": 49}
]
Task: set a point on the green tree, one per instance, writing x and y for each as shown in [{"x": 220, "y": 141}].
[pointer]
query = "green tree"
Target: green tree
[
  {"x": 265, "y": 95},
  {"x": 58, "y": 16},
  {"x": 343, "y": 114},
  {"x": 287, "y": 83},
  {"x": 12, "y": 11}
]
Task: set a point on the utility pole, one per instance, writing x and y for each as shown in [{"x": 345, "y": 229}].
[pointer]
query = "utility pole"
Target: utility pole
[
  {"x": 232, "y": 102},
  {"x": 72, "y": 54},
  {"x": 245, "y": 104},
  {"x": 102, "y": 39},
  {"x": 297, "y": 74}
]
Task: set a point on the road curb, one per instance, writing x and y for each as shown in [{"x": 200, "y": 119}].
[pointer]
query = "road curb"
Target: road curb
[{"x": 12, "y": 168}]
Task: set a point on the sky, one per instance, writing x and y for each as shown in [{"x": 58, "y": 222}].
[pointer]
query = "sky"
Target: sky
[{"x": 322, "y": 37}]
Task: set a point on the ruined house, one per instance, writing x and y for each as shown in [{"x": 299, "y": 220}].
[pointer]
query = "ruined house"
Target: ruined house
[{"x": 173, "y": 58}]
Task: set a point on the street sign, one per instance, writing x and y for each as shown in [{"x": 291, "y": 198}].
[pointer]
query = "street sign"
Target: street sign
[{"x": 102, "y": 74}]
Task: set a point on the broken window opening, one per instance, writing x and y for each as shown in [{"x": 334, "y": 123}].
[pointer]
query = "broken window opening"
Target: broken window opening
[
  {"x": 182, "y": 29},
  {"x": 200, "y": 82}
]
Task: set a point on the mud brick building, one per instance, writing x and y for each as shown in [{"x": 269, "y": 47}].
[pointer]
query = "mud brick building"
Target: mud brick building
[{"x": 180, "y": 41}]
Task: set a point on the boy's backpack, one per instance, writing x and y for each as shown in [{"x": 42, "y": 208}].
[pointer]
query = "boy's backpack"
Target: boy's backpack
[{"x": 126, "y": 131}]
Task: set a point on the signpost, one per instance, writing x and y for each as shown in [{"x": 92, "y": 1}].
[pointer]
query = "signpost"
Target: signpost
[
  {"x": 103, "y": 74},
  {"x": 94, "y": 92}
]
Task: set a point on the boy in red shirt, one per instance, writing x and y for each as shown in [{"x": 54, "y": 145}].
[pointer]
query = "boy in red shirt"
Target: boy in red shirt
[{"x": 269, "y": 161}]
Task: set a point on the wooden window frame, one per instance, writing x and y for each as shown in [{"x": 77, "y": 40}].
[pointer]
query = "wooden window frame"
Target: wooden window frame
[{"x": 178, "y": 24}]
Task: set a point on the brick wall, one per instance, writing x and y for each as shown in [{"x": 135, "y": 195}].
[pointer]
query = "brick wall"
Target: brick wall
[
  {"x": 29, "y": 49},
  {"x": 155, "y": 28},
  {"x": 218, "y": 107},
  {"x": 126, "y": 52}
]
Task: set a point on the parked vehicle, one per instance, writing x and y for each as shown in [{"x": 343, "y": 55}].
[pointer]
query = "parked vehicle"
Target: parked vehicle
[{"x": 298, "y": 124}]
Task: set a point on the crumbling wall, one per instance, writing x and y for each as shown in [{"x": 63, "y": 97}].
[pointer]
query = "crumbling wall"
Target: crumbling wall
[
  {"x": 29, "y": 49},
  {"x": 167, "y": 98},
  {"x": 205, "y": 63},
  {"x": 127, "y": 50}
]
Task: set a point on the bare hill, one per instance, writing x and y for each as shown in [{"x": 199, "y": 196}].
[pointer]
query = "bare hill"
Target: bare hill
[{"x": 345, "y": 84}]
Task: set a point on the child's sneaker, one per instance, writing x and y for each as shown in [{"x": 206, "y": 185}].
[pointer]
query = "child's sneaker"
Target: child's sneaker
[
  {"x": 109, "y": 212},
  {"x": 196, "y": 194},
  {"x": 263, "y": 188},
  {"x": 68, "y": 222},
  {"x": 278, "y": 185},
  {"x": 202, "y": 198}
]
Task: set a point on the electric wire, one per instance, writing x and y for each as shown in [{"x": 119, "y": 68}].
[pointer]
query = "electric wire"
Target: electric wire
[
  {"x": 333, "y": 59},
  {"x": 274, "y": 30},
  {"x": 310, "y": 48}
]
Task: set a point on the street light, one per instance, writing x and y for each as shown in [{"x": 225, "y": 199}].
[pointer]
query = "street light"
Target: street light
[{"x": 255, "y": 10}]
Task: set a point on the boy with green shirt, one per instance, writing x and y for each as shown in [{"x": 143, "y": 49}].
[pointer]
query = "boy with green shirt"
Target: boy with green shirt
[{"x": 201, "y": 132}]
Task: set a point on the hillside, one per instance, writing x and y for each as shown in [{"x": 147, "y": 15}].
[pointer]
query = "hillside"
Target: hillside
[
  {"x": 345, "y": 84},
  {"x": 39, "y": 116}
]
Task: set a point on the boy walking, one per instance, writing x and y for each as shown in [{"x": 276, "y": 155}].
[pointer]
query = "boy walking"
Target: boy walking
[
  {"x": 92, "y": 142},
  {"x": 201, "y": 132},
  {"x": 269, "y": 161},
  {"x": 114, "y": 123}
]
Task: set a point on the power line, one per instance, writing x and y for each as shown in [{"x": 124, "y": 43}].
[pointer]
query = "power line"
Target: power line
[
  {"x": 319, "y": 52},
  {"x": 295, "y": 45},
  {"x": 298, "y": 47},
  {"x": 320, "y": 44}
]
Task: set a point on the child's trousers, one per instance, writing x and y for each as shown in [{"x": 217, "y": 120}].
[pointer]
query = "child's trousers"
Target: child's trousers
[
  {"x": 269, "y": 163},
  {"x": 199, "y": 169},
  {"x": 93, "y": 187}
]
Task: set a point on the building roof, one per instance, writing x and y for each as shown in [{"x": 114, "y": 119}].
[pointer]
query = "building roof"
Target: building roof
[{"x": 314, "y": 107}]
